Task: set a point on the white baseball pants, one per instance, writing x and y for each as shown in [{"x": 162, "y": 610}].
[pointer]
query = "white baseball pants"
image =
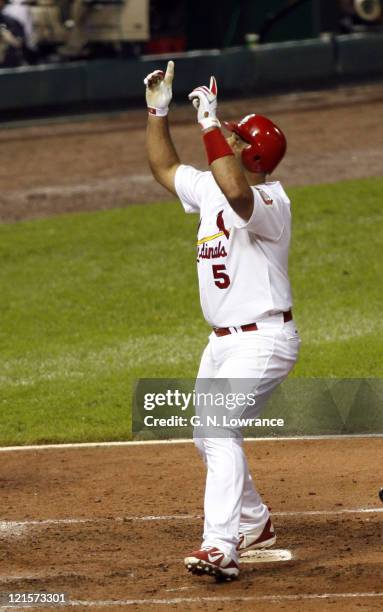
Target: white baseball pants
[{"x": 232, "y": 503}]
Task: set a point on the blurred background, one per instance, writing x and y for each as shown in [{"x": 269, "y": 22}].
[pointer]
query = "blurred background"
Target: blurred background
[
  {"x": 40, "y": 31},
  {"x": 65, "y": 55}
]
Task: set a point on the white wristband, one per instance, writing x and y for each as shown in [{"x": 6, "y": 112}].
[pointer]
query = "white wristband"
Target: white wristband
[{"x": 158, "y": 112}]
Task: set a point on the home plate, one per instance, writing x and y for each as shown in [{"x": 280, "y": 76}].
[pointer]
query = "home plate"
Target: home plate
[{"x": 266, "y": 556}]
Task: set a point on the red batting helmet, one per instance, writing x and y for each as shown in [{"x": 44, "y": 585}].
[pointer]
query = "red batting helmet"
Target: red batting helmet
[{"x": 267, "y": 143}]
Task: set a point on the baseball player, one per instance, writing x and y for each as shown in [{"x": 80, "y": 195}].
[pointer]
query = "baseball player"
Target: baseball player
[{"x": 242, "y": 255}]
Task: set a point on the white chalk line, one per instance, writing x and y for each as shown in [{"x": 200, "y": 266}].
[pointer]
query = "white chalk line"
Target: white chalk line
[
  {"x": 35, "y": 576},
  {"x": 179, "y": 600},
  {"x": 211, "y": 599},
  {"x": 74, "y": 445},
  {"x": 10, "y": 527},
  {"x": 182, "y": 588}
]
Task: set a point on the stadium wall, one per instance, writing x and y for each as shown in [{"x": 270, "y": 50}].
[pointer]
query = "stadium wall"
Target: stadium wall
[{"x": 240, "y": 71}]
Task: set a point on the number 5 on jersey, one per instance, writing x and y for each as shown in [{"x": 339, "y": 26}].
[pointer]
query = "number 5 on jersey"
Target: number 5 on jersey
[{"x": 222, "y": 279}]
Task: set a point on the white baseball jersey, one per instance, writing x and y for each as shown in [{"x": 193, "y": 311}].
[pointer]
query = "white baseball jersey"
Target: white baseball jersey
[{"x": 242, "y": 265}]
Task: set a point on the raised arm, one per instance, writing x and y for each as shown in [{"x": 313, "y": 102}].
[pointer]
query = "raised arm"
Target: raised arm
[
  {"x": 162, "y": 155},
  {"x": 226, "y": 170}
]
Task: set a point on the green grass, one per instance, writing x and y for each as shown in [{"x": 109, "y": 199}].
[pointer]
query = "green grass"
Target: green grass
[{"x": 90, "y": 302}]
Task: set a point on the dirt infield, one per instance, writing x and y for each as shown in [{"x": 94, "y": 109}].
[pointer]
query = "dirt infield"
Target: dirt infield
[
  {"x": 100, "y": 542},
  {"x": 101, "y": 163}
]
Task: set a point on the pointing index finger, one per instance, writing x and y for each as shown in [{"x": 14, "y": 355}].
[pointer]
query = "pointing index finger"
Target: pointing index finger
[{"x": 169, "y": 75}]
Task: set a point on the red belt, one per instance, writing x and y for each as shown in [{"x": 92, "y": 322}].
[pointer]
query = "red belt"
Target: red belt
[{"x": 225, "y": 331}]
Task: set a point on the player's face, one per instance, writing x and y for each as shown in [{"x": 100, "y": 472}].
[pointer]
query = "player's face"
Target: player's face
[{"x": 237, "y": 144}]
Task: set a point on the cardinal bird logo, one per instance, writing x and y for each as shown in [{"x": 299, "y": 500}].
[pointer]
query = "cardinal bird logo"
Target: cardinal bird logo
[
  {"x": 221, "y": 224},
  {"x": 267, "y": 200}
]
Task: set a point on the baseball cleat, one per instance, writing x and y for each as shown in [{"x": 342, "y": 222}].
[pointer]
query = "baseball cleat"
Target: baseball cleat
[
  {"x": 212, "y": 561},
  {"x": 263, "y": 537}
]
